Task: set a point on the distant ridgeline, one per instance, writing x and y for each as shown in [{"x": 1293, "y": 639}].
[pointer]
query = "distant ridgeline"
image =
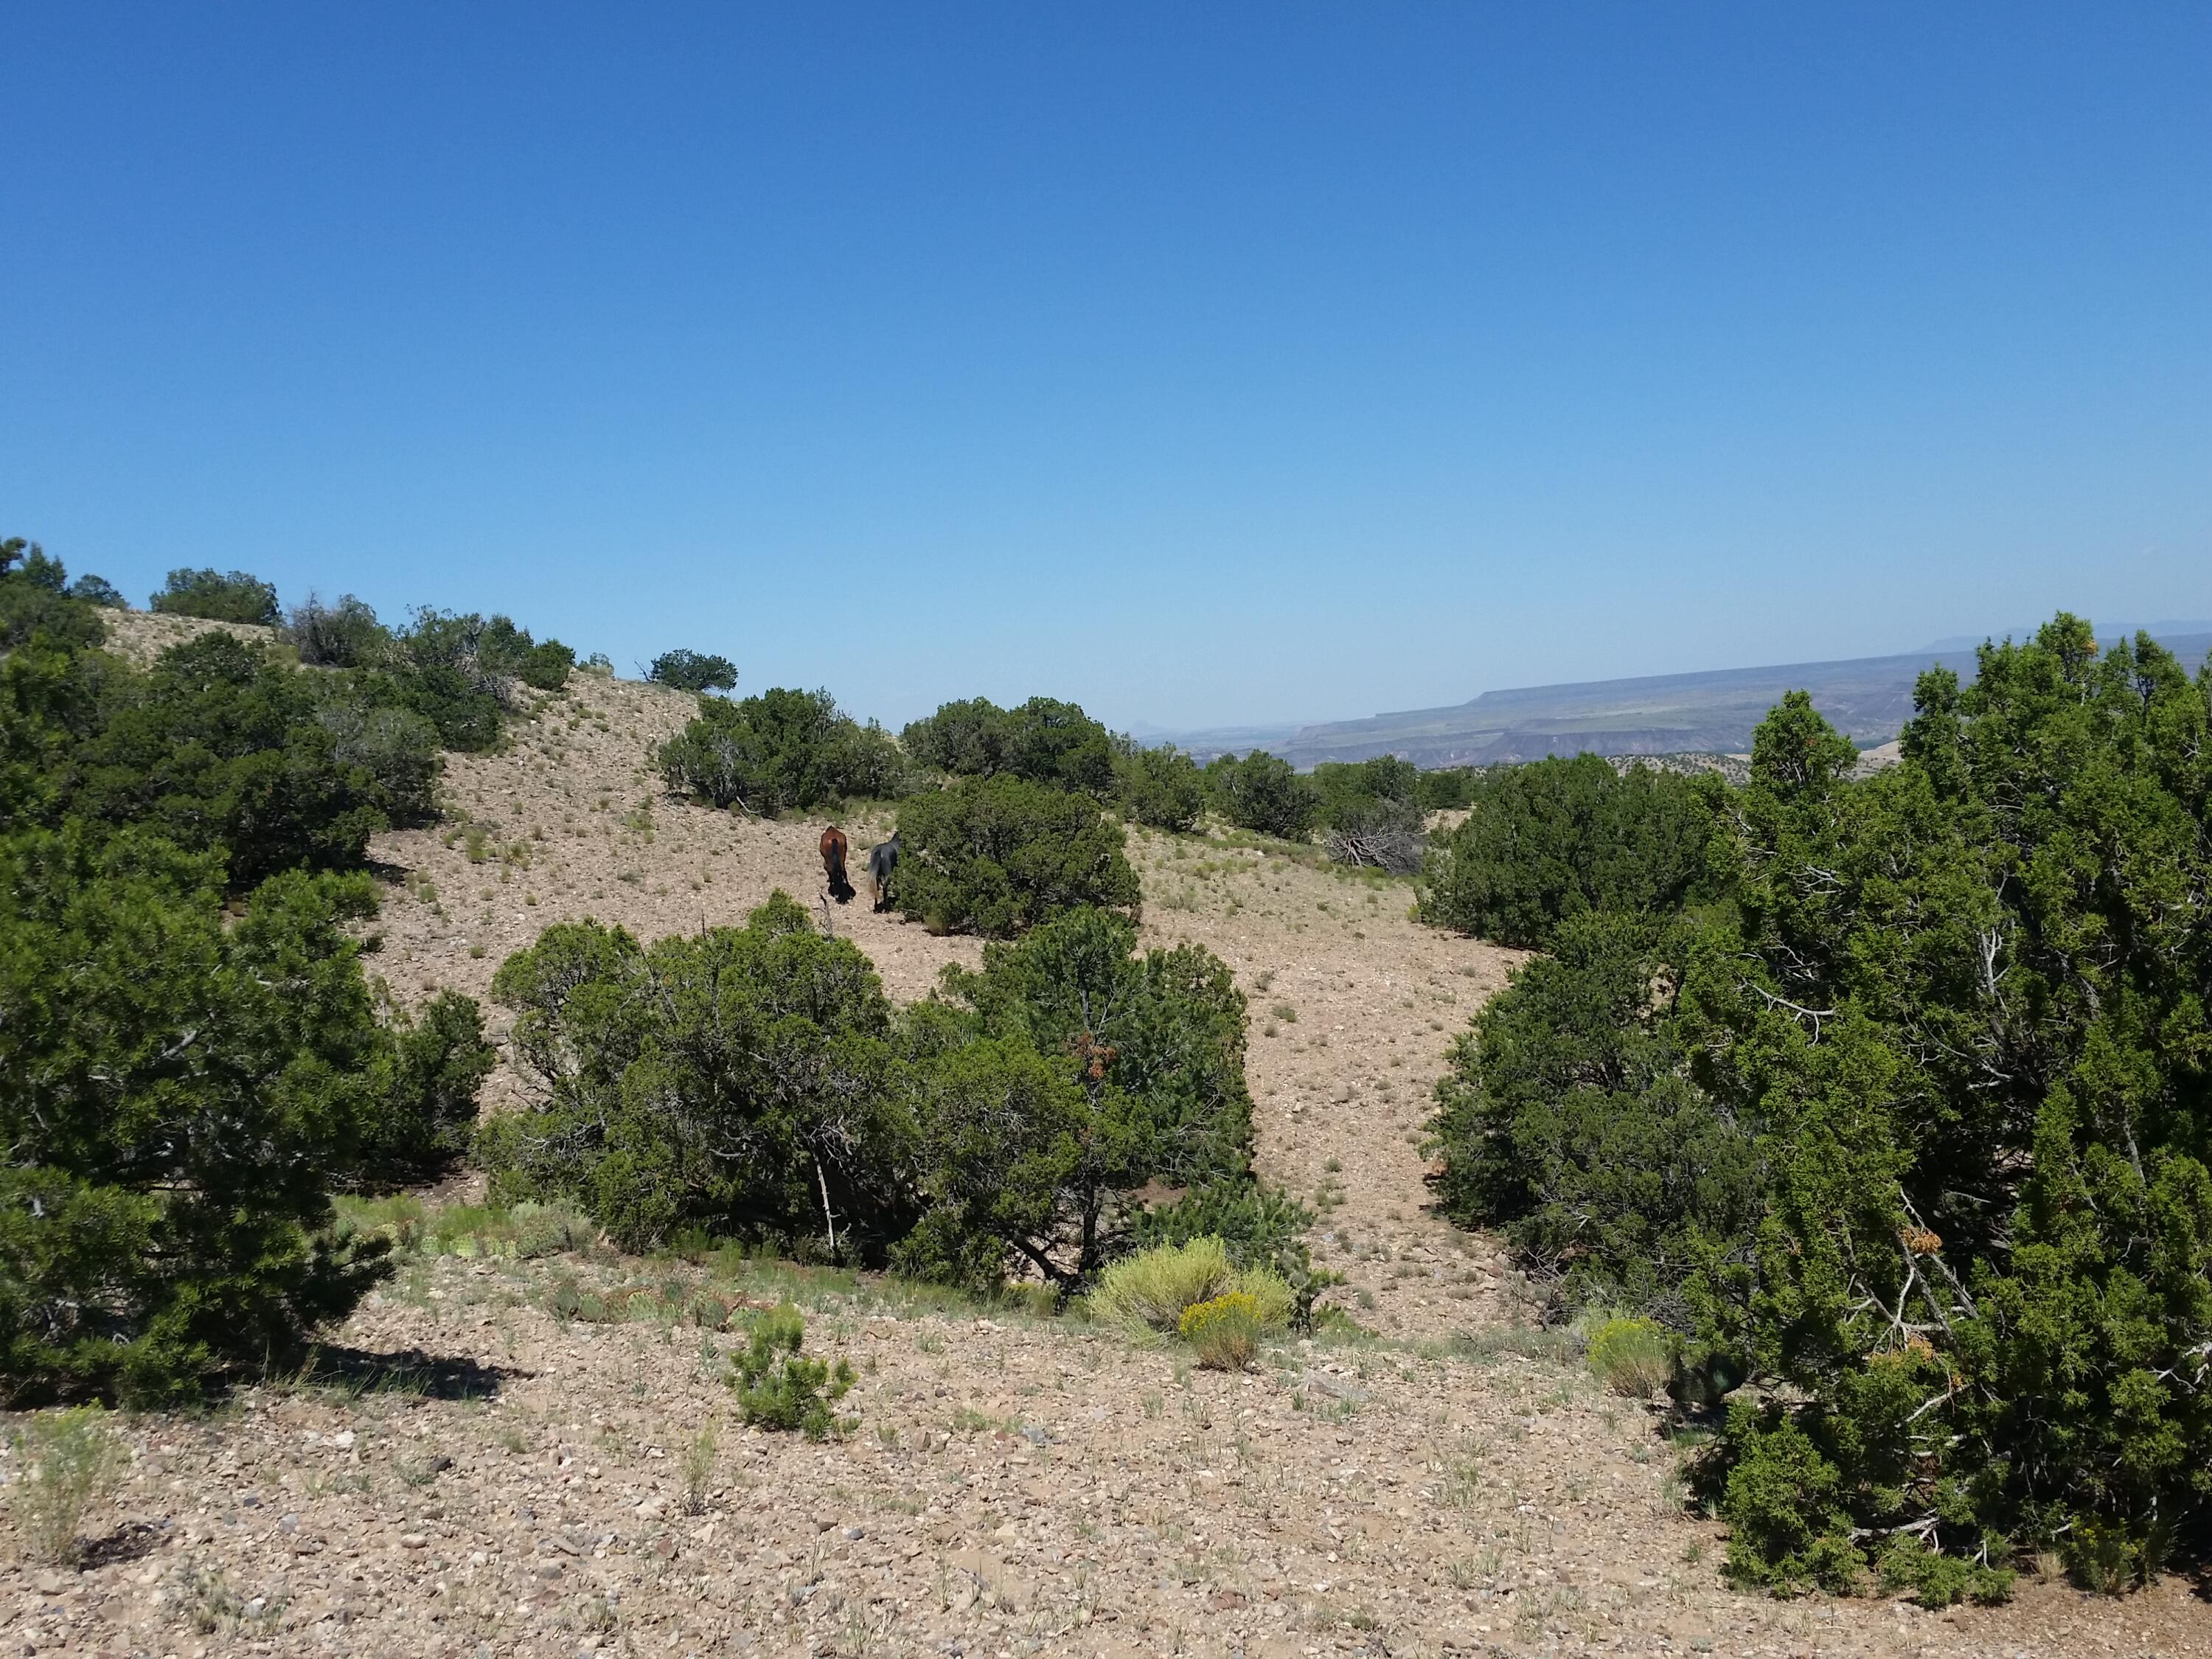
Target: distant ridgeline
[{"x": 1868, "y": 699}]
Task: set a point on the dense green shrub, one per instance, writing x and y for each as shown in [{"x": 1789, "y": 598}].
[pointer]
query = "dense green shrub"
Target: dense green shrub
[
  {"x": 220, "y": 745},
  {"x": 179, "y": 1091},
  {"x": 1447, "y": 787},
  {"x": 1261, "y": 792},
  {"x": 504, "y": 649},
  {"x": 1258, "y": 1226},
  {"x": 97, "y": 590},
  {"x": 995, "y": 855},
  {"x": 431, "y": 1069},
  {"x": 1958, "y": 1009},
  {"x": 1161, "y": 789},
  {"x": 1566, "y": 1119},
  {"x": 781, "y": 750},
  {"x": 778, "y": 1388},
  {"x": 1350, "y": 790},
  {"x": 692, "y": 670},
  {"x": 346, "y": 635},
  {"x": 235, "y": 597},
  {"x": 1371, "y": 813},
  {"x": 1552, "y": 839},
  {"x": 395, "y": 747},
  {"x": 1073, "y": 1072},
  {"x": 738, "y": 1080},
  {"x": 35, "y": 599},
  {"x": 1044, "y": 741}
]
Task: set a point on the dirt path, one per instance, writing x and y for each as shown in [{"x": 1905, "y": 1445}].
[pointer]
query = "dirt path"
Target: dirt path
[{"x": 1353, "y": 1005}]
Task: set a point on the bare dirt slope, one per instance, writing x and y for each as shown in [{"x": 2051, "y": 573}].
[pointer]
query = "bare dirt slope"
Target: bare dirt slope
[{"x": 470, "y": 1475}]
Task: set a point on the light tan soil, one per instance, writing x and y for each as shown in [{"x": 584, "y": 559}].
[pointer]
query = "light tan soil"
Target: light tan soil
[{"x": 1015, "y": 1485}]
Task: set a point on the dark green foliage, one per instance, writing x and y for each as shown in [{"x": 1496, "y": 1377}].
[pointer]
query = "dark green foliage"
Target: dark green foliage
[
  {"x": 1073, "y": 1072},
  {"x": 1350, "y": 790},
  {"x": 35, "y": 599},
  {"x": 692, "y": 670},
  {"x": 1011, "y": 1153},
  {"x": 995, "y": 855},
  {"x": 546, "y": 667},
  {"x": 222, "y": 746},
  {"x": 506, "y": 650},
  {"x": 780, "y": 750},
  {"x": 1974, "y": 1013},
  {"x": 1261, "y": 792},
  {"x": 27, "y": 563},
  {"x": 1044, "y": 741},
  {"x": 346, "y": 635},
  {"x": 437, "y": 670},
  {"x": 1371, "y": 813},
  {"x": 738, "y": 1080},
  {"x": 176, "y": 1089},
  {"x": 1161, "y": 789},
  {"x": 1566, "y": 1118},
  {"x": 777, "y": 1389},
  {"x": 1259, "y": 1224},
  {"x": 234, "y": 598},
  {"x": 447, "y": 667},
  {"x": 1555, "y": 838},
  {"x": 97, "y": 590},
  {"x": 1447, "y": 787},
  {"x": 395, "y": 747},
  {"x": 1958, "y": 1007},
  {"x": 1788, "y": 1523},
  {"x": 433, "y": 1065}
]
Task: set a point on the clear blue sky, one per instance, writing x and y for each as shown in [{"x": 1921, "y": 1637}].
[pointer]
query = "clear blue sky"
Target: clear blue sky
[{"x": 1202, "y": 363}]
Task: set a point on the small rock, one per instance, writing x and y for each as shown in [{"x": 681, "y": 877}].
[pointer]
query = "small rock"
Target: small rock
[
  {"x": 549, "y": 1569},
  {"x": 413, "y": 1540},
  {"x": 287, "y": 1525},
  {"x": 342, "y": 1439},
  {"x": 856, "y": 1532}
]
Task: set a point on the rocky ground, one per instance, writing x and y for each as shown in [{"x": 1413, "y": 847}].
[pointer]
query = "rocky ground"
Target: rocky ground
[{"x": 463, "y": 1473}]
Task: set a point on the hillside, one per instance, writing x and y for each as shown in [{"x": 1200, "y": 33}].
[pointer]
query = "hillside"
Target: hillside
[
  {"x": 467, "y": 1473},
  {"x": 1869, "y": 699}
]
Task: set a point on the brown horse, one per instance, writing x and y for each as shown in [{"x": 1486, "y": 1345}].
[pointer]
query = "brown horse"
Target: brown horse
[{"x": 833, "y": 863}]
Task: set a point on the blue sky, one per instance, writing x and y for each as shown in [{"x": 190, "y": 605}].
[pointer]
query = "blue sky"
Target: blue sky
[{"x": 1203, "y": 364}]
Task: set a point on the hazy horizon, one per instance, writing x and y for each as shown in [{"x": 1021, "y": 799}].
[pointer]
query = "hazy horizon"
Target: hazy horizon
[{"x": 1225, "y": 368}]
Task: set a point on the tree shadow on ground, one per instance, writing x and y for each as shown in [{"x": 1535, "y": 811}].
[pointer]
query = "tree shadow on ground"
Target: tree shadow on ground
[
  {"x": 356, "y": 1371},
  {"x": 131, "y": 1542}
]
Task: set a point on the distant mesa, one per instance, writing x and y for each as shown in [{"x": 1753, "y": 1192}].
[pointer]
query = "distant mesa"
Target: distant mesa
[{"x": 1869, "y": 699}]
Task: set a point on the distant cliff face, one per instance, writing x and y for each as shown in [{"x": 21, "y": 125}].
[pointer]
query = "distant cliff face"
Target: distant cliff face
[{"x": 1869, "y": 699}]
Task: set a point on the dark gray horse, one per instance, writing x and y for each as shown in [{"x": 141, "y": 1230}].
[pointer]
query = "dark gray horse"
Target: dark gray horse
[{"x": 882, "y": 859}]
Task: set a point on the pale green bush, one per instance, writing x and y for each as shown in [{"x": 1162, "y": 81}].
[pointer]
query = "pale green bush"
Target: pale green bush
[
  {"x": 64, "y": 1461},
  {"x": 1149, "y": 1293},
  {"x": 1631, "y": 1356},
  {"x": 1224, "y": 1333}
]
